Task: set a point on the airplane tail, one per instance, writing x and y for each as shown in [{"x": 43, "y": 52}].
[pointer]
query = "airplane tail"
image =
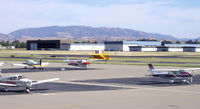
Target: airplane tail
[
  {"x": 151, "y": 66},
  {"x": 107, "y": 57},
  {"x": 66, "y": 58},
  {"x": 40, "y": 62},
  {"x": 0, "y": 73}
]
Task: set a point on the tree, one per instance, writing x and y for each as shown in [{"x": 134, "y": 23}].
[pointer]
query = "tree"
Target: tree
[{"x": 165, "y": 42}]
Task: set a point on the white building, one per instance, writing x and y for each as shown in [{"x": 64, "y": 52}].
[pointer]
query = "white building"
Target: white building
[
  {"x": 125, "y": 45},
  {"x": 175, "y": 49},
  {"x": 83, "y": 46}
]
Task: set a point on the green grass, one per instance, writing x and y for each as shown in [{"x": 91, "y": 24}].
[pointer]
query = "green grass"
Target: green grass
[{"x": 129, "y": 61}]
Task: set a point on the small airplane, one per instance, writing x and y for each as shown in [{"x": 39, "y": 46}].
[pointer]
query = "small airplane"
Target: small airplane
[
  {"x": 99, "y": 55},
  {"x": 185, "y": 75},
  {"x": 79, "y": 63},
  {"x": 32, "y": 63},
  {"x": 19, "y": 81}
]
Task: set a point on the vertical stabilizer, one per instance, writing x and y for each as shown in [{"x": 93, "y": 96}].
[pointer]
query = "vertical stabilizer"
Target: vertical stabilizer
[
  {"x": 66, "y": 58},
  {"x": 0, "y": 73},
  {"x": 151, "y": 66},
  {"x": 40, "y": 62}
]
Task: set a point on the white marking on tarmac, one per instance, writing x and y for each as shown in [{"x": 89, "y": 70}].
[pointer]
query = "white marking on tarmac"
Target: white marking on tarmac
[
  {"x": 47, "y": 94},
  {"x": 133, "y": 87}
]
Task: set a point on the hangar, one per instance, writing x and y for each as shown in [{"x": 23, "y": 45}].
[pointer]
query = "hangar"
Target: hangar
[
  {"x": 128, "y": 45},
  {"x": 43, "y": 44}
]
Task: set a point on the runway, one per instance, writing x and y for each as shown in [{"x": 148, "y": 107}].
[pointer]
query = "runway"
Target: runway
[{"x": 101, "y": 86}]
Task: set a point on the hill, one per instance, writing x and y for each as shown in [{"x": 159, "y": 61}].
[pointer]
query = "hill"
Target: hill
[
  {"x": 4, "y": 37},
  {"x": 86, "y": 32}
]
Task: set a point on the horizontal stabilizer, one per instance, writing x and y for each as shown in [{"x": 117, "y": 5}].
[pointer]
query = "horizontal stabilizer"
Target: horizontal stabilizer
[{"x": 23, "y": 65}]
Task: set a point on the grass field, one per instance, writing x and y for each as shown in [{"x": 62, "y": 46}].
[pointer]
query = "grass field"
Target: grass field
[{"x": 188, "y": 58}]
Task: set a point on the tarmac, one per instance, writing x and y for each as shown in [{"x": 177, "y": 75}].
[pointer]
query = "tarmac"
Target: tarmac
[{"x": 101, "y": 86}]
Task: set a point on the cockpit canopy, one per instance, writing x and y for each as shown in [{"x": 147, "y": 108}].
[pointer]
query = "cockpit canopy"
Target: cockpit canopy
[
  {"x": 32, "y": 62},
  {"x": 16, "y": 77}
]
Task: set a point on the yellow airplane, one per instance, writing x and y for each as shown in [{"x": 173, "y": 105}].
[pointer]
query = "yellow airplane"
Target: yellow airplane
[{"x": 97, "y": 56}]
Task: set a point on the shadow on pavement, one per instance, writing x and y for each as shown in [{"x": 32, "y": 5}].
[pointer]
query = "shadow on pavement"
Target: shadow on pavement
[
  {"x": 152, "y": 81},
  {"x": 53, "y": 87}
]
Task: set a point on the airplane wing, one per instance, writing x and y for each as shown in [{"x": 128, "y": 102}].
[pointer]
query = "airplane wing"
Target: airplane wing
[
  {"x": 44, "y": 81},
  {"x": 23, "y": 65},
  {"x": 166, "y": 69},
  {"x": 45, "y": 63},
  {"x": 2, "y": 63},
  {"x": 5, "y": 84},
  {"x": 192, "y": 69},
  {"x": 175, "y": 69}
]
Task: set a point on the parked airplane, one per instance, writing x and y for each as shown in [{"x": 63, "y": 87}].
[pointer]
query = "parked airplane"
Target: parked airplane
[
  {"x": 32, "y": 63},
  {"x": 100, "y": 56},
  {"x": 103, "y": 57},
  {"x": 79, "y": 63},
  {"x": 185, "y": 75},
  {"x": 19, "y": 81}
]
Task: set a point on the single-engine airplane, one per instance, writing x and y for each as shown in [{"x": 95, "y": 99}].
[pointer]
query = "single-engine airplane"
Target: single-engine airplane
[
  {"x": 99, "y": 55},
  {"x": 19, "y": 81},
  {"x": 78, "y": 63},
  {"x": 185, "y": 75},
  {"x": 32, "y": 63}
]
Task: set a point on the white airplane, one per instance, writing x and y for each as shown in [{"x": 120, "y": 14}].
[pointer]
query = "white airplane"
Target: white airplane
[
  {"x": 19, "y": 81},
  {"x": 79, "y": 63},
  {"x": 32, "y": 63},
  {"x": 185, "y": 75}
]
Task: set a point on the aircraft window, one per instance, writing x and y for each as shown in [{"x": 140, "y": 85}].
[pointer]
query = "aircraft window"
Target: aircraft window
[
  {"x": 10, "y": 78},
  {"x": 14, "y": 78},
  {"x": 20, "y": 77}
]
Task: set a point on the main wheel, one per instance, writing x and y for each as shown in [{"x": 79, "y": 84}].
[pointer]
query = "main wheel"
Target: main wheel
[{"x": 27, "y": 90}]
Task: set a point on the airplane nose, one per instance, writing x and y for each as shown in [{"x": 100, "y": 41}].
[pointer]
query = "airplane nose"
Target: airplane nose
[
  {"x": 28, "y": 84},
  {"x": 86, "y": 63}
]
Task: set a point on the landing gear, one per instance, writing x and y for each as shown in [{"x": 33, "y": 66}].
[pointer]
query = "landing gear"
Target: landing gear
[
  {"x": 171, "y": 81},
  {"x": 5, "y": 89},
  {"x": 27, "y": 90}
]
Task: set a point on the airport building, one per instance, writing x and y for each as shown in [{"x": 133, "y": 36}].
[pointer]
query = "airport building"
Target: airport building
[
  {"x": 128, "y": 45},
  {"x": 86, "y": 46},
  {"x": 139, "y": 46},
  {"x": 43, "y": 44}
]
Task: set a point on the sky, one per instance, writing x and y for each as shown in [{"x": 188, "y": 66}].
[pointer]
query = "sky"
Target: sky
[{"x": 180, "y": 18}]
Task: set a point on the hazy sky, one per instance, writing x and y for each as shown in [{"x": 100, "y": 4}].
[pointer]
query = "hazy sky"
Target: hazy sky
[{"x": 180, "y": 18}]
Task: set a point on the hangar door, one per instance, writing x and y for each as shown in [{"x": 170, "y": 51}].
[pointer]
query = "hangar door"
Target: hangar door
[{"x": 33, "y": 46}]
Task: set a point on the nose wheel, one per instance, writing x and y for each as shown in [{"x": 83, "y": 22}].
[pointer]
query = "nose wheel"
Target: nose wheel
[
  {"x": 6, "y": 90},
  {"x": 27, "y": 90}
]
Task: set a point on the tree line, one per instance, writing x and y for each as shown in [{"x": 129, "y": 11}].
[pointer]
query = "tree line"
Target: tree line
[{"x": 15, "y": 43}]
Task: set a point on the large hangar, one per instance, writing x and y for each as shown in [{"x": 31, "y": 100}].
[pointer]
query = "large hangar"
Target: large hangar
[
  {"x": 125, "y": 45},
  {"x": 43, "y": 44}
]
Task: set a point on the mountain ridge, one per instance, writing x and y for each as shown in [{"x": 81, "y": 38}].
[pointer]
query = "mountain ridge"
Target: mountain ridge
[{"x": 76, "y": 32}]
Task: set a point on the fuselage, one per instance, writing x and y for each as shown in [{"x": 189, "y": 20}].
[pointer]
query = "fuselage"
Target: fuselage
[
  {"x": 80, "y": 63},
  {"x": 178, "y": 73},
  {"x": 18, "y": 80}
]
